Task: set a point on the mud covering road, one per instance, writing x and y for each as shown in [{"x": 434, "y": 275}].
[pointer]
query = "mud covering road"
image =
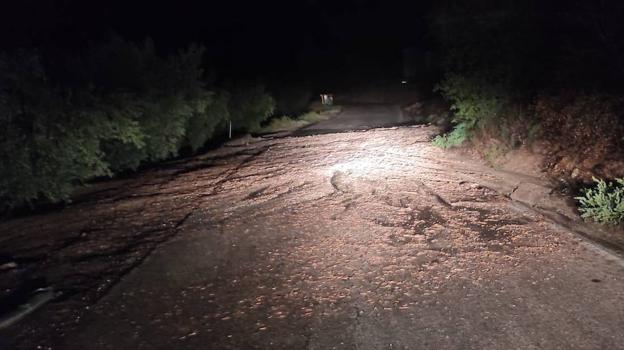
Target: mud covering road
[{"x": 359, "y": 240}]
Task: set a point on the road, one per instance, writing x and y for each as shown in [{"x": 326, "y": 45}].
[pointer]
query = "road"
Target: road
[
  {"x": 357, "y": 240},
  {"x": 359, "y": 117}
]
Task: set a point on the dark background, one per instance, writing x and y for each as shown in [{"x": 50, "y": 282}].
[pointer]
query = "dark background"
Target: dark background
[{"x": 312, "y": 39}]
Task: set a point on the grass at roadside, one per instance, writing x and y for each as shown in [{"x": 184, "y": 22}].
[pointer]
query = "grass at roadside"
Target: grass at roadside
[{"x": 286, "y": 123}]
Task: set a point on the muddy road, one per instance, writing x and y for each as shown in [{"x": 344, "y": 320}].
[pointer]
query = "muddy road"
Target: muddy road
[{"x": 358, "y": 240}]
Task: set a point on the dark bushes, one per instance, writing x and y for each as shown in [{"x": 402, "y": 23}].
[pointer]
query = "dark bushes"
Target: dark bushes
[
  {"x": 489, "y": 51},
  {"x": 291, "y": 98},
  {"x": 49, "y": 138},
  {"x": 585, "y": 134},
  {"x": 66, "y": 119},
  {"x": 201, "y": 126},
  {"x": 249, "y": 106},
  {"x": 525, "y": 70}
]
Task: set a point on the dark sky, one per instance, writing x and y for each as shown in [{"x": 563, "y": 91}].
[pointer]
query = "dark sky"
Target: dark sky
[{"x": 264, "y": 37}]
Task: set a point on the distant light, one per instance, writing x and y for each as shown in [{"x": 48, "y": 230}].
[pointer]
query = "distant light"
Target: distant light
[{"x": 403, "y": 81}]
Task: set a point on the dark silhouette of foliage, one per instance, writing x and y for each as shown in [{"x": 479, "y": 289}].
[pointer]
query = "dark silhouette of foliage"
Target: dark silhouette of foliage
[
  {"x": 67, "y": 119},
  {"x": 499, "y": 57},
  {"x": 249, "y": 106}
]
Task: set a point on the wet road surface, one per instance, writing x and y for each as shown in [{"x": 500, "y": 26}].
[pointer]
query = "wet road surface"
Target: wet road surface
[{"x": 360, "y": 240}]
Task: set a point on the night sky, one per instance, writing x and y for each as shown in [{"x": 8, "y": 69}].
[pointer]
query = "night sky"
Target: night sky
[{"x": 263, "y": 38}]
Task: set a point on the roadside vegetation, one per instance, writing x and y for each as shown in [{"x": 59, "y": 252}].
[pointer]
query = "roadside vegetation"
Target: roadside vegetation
[
  {"x": 523, "y": 74},
  {"x": 454, "y": 138},
  {"x": 286, "y": 123},
  {"x": 604, "y": 202},
  {"x": 70, "y": 118}
]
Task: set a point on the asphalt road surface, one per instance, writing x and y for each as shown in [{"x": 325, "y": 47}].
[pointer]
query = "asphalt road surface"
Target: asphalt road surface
[
  {"x": 359, "y": 117},
  {"x": 356, "y": 240}
]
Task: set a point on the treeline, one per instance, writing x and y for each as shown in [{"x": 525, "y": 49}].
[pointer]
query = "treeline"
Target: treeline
[
  {"x": 67, "y": 118},
  {"x": 521, "y": 71}
]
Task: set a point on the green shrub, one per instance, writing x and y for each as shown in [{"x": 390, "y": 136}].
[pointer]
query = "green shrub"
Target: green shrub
[
  {"x": 603, "y": 203},
  {"x": 68, "y": 119},
  {"x": 474, "y": 98},
  {"x": 203, "y": 123},
  {"x": 160, "y": 95},
  {"x": 49, "y": 139},
  {"x": 454, "y": 138},
  {"x": 489, "y": 51},
  {"x": 249, "y": 106}
]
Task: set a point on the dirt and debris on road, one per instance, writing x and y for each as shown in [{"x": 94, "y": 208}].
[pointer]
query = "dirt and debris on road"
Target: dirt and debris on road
[{"x": 360, "y": 240}]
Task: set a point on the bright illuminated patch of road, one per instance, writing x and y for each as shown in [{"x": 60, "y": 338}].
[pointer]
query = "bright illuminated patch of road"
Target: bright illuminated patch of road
[{"x": 376, "y": 159}]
